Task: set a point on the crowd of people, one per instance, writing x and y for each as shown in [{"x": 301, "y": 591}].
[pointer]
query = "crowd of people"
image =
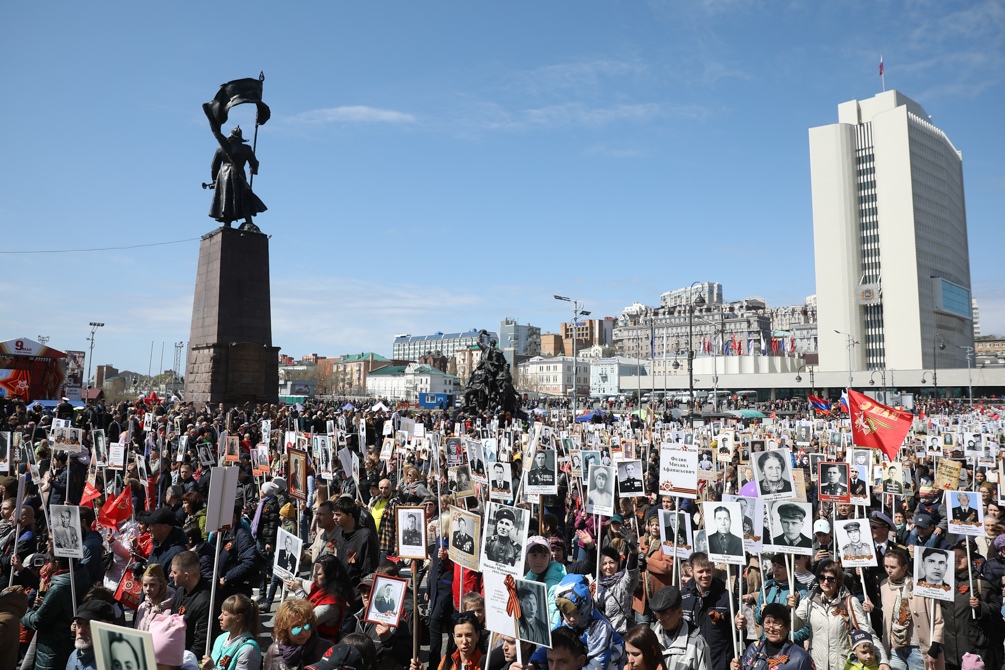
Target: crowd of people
[{"x": 618, "y": 593}]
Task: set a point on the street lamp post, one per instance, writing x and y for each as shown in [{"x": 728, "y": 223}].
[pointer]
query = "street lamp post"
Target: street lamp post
[
  {"x": 970, "y": 379},
  {"x": 693, "y": 302},
  {"x": 851, "y": 343},
  {"x": 577, "y": 311},
  {"x": 90, "y": 356},
  {"x": 808, "y": 368},
  {"x": 941, "y": 342}
]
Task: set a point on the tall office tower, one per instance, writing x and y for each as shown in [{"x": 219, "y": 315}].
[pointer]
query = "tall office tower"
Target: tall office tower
[{"x": 890, "y": 240}]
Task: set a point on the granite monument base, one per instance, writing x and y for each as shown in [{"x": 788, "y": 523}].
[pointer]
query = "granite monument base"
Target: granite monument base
[{"x": 231, "y": 359}]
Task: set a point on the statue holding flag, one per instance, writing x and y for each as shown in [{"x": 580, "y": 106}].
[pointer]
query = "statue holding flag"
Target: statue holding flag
[{"x": 233, "y": 199}]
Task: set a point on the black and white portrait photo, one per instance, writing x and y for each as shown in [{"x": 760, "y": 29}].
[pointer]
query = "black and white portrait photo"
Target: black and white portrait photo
[
  {"x": 476, "y": 459},
  {"x": 100, "y": 447},
  {"x": 465, "y": 531},
  {"x": 5, "y": 442},
  {"x": 934, "y": 571},
  {"x": 893, "y": 479},
  {"x": 854, "y": 541},
  {"x": 706, "y": 462},
  {"x": 459, "y": 481},
  {"x": 804, "y": 432},
  {"x": 791, "y": 527},
  {"x": 121, "y": 648},
  {"x": 675, "y": 533},
  {"x": 505, "y": 536},
  {"x": 590, "y": 456},
  {"x": 387, "y": 599},
  {"x": 288, "y": 550},
  {"x": 751, "y": 520},
  {"x": 411, "y": 532},
  {"x": 600, "y": 490},
  {"x": 500, "y": 481},
  {"x": 723, "y": 532},
  {"x": 206, "y": 458},
  {"x": 533, "y": 625},
  {"x": 630, "y": 483},
  {"x": 576, "y": 463},
  {"x": 966, "y": 513},
  {"x": 66, "y": 532},
  {"x": 773, "y": 473},
  {"x": 832, "y": 482},
  {"x": 542, "y": 477}
]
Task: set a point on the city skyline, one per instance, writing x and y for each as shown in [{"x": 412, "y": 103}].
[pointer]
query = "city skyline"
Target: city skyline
[{"x": 606, "y": 153}]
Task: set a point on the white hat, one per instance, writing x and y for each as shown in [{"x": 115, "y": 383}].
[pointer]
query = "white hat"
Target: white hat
[{"x": 821, "y": 526}]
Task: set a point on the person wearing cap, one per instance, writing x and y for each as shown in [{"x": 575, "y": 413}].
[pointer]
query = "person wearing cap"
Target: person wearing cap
[
  {"x": 823, "y": 540},
  {"x": 502, "y": 547},
  {"x": 855, "y": 548},
  {"x": 791, "y": 517},
  {"x": 925, "y": 535},
  {"x": 83, "y": 657},
  {"x": 774, "y": 650},
  {"x": 973, "y": 618},
  {"x": 683, "y": 647},
  {"x": 907, "y": 632},
  {"x": 168, "y": 539}
]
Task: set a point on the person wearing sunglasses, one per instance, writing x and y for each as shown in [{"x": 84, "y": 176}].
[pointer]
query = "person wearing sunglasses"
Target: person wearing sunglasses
[
  {"x": 296, "y": 643},
  {"x": 832, "y": 613}
]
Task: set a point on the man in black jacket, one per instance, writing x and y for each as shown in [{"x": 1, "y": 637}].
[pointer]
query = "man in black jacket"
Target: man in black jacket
[
  {"x": 191, "y": 601},
  {"x": 168, "y": 539},
  {"x": 239, "y": 568}
]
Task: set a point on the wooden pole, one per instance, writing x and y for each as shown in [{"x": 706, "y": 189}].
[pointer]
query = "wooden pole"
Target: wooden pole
[{"x": 212, "y": 594}]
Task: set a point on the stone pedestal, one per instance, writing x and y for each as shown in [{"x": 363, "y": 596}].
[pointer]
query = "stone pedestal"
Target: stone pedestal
[{"x": 231, "y": 359}]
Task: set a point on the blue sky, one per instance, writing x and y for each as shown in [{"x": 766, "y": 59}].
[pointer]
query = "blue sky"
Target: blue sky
[{"x": 442, "y": 165}]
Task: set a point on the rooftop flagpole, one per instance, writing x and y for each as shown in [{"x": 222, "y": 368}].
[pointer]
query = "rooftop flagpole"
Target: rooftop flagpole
[{"x": 882, "y": 74}]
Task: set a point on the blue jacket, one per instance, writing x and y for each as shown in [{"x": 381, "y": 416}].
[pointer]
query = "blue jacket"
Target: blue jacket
[
  {"x": 778, "y": 593},
  {"x": 551, "y": 577},
  {"x": 754, "y": 658},
  {"x": 238, "y": 555}
]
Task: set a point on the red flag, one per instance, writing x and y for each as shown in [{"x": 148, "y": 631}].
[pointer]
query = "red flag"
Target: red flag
[
  {"x": 877, "y": 426},
  {"x": 90, "y": 493},
  {"x": 116, "y": 510}
]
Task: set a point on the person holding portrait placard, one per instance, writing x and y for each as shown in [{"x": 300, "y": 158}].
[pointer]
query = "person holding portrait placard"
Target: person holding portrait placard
[
  {"x": 972, "y": 618},
  {"x": 907, "y": 631}
]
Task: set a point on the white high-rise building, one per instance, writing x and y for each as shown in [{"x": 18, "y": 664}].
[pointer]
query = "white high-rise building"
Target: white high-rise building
[{"x": 890, "y": 239}]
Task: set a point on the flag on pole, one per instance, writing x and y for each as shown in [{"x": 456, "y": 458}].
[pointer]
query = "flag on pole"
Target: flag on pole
[
  {"x": 844, "y": 400},
  {"x": 90, "y": 493},
  {"x": 232, "y": 93},
  {"x": 819, "y": 404},
  {"x": 876, "y": 425},
  {"x": 881, "y": 65},
  {"x": 116, "y": 510}
]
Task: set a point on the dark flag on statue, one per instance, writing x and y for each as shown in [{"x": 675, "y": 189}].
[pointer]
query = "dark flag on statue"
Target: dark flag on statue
[
  {"x": 875, "y": 425},
  {"x": 236, "y": 92}
]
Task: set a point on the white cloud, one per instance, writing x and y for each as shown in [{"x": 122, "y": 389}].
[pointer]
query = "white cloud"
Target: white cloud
[{"x": 350, "y": 114}]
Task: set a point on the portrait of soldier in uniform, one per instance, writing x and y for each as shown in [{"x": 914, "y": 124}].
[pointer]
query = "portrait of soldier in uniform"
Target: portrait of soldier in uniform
[
  {"x": 502, "y": 546},
  {"x": 855, "y": 548}
]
